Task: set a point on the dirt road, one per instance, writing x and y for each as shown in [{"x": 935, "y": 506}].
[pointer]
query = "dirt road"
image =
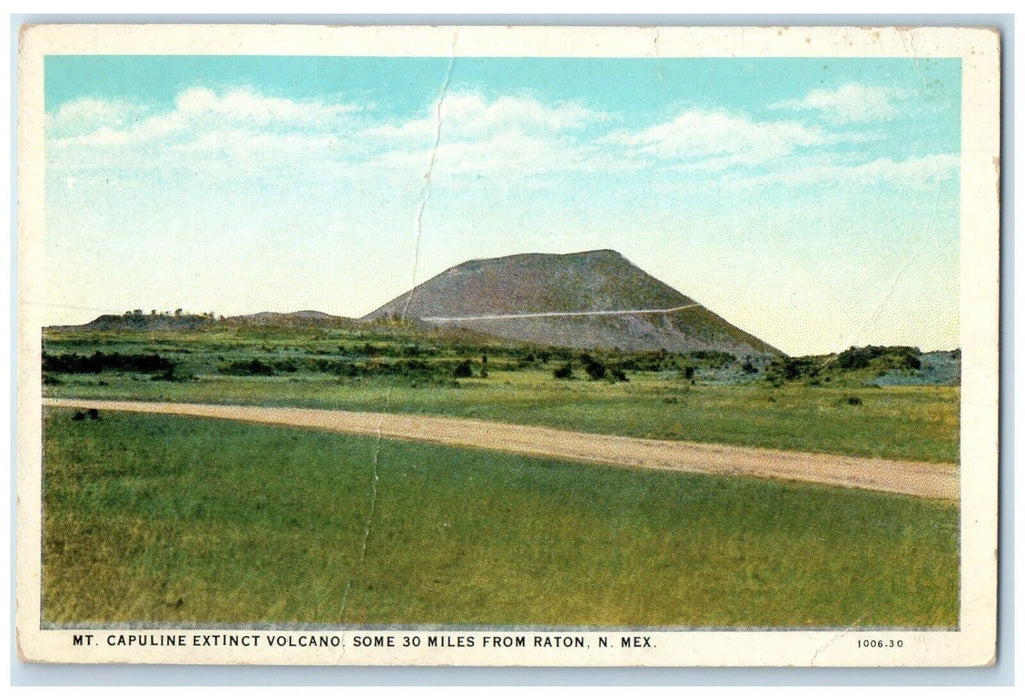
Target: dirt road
[
  {"x": 556, "y": 314},
  {"x": 913, "y": 478}
]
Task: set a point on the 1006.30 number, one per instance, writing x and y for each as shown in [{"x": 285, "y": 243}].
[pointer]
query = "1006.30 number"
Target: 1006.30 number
[{"x": 880, "y": 643}]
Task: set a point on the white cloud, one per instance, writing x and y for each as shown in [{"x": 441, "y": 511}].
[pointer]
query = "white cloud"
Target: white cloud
[
  {"x": 237, "y": 130},
  {"x": 467, "y": 115},
  {"x": 249, "y": 132},
  {"x": 240, "y": 133},
  {"x": 244, "y": 105},
  {"x": 512, "y": 154},
  {"x": 850, "y": 103},
  {"x": 915, "y": 173},
  {"x": 198, "y": 113},
  {"x": 88, "y": 115},
  {"x": 471, "y": 113},
  {"x": 511, "y": 135},
  {"x": 718, "y": 139}
]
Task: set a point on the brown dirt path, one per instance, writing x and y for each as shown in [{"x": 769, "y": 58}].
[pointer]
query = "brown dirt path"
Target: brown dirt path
[{"x": 924, "y": 479}]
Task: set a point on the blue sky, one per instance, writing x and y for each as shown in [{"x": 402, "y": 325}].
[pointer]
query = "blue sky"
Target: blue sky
[{"x": 812, "y": 202}]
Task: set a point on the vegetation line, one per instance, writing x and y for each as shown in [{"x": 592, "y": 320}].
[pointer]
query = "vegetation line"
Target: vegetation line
[{"x": 546, "y": 314}]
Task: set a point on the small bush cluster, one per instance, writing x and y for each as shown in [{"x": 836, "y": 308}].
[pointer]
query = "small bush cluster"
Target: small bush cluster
[
  {"x": 792, "y": 368},
  {"x": 816, "y": 370},
  {"x": 897, "y": 357}
]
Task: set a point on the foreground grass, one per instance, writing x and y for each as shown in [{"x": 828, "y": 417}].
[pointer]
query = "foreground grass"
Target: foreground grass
[
  {"x": 896, "y": 422},
  {"x": 170, "y": 519}
]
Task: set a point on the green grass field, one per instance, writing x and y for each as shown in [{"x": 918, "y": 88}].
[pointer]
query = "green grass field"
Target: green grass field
[
  {"x": 170, "y": 519},
  {"x": 841, "y": 412},
  {"x": 897, "y": 422}
]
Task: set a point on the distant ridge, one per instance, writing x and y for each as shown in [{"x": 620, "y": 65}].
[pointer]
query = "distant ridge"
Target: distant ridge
[
  {"x": 593, "y": 299},
  {"x": 292, "y": 319},
  {"x": 168, "y": 322},
  {"x": 140, "y": 322}
]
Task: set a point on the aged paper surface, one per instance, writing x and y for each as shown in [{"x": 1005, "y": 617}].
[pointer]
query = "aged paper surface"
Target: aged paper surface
[{"x": 508, "y": 345}]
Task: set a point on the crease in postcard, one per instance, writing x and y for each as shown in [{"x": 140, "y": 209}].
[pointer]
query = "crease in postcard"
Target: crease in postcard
[{"x": 425, "y": 192}]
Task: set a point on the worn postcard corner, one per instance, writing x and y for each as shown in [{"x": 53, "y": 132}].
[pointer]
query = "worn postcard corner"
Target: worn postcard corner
[{"x": 492, "y": 346}]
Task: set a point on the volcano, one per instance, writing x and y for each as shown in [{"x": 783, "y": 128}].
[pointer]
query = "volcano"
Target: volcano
[{"x": 589, "y": 300}]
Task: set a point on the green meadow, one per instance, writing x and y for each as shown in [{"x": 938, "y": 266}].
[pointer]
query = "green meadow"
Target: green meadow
[{"x": 183, "y": 520}]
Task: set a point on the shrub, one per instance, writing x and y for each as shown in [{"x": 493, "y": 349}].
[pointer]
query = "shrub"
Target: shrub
[
  {"x": 563, "y": 371},
  {"x": 463, "y": 370},
  {"x": 595, "y": 368},
  {"x": 857, "y": 358},
  {"x": 911, "y": 362}
]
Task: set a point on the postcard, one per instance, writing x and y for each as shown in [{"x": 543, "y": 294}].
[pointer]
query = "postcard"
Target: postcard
[{"x": 508, "y": 346}]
